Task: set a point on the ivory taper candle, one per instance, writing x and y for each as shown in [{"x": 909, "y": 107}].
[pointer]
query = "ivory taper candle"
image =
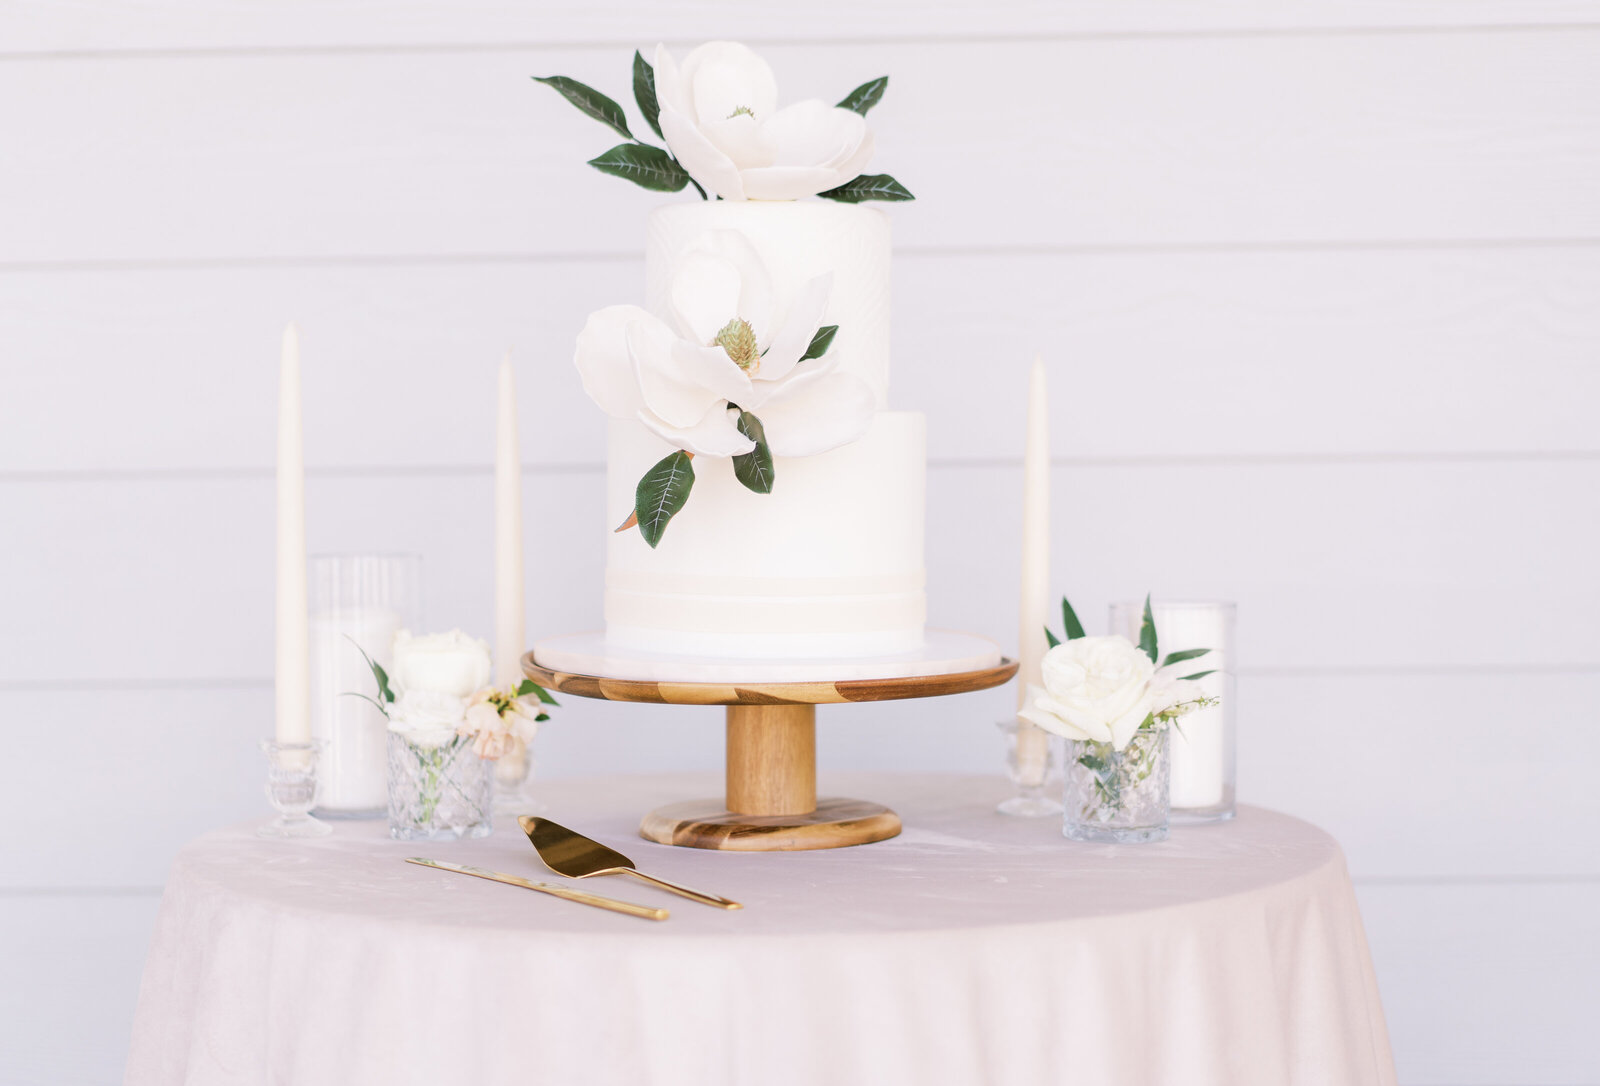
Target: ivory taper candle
[
  {"x": 508, "y": 604},
  {"x": 291, "y": 675},
  {"x": 1033, "y": 608}
]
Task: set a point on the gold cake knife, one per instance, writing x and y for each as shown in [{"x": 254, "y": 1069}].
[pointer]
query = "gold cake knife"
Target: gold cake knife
[{"x": 582, "y": 897}]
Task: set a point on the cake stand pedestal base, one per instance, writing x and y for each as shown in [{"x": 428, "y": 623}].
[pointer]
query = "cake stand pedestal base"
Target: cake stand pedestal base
[{"x": 771, "y": 802}]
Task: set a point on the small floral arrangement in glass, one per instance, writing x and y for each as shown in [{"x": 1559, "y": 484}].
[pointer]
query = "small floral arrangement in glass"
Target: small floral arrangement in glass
[
  {"x": 447, "y": 727},
  {"x": 1113, "y": 701}
]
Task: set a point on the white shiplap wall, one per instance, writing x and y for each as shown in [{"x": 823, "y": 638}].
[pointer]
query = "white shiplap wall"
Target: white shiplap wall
[{"x": 1317, "y": 283}]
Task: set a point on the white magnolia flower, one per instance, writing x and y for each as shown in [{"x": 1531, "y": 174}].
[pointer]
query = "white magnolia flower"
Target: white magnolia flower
[
  {"x": 728, "y": 345},
  {"x": 720, "y": 118},
  {"x": 449, "y": 663},
  {"x": 427, "y": 718},
  {"x": 1095, "y": 688}
]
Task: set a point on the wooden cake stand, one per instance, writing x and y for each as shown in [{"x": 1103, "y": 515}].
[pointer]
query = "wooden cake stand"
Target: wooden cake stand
[{"x": 771, "y": 803}]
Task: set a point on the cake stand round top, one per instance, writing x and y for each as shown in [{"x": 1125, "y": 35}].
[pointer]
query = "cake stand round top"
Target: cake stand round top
[{"x": 583, "y": 666}]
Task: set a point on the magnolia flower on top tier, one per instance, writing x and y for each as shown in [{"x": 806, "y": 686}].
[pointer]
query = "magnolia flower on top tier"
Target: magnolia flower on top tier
[
  {"x": 720, "y": 118},
  {"x": 729, "y": 351}
]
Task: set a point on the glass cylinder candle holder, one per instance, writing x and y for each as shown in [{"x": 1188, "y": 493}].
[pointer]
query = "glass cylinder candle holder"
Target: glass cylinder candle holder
[
  {"x": 1202, "y": 743},
  {"x": 358, "y": 602}
]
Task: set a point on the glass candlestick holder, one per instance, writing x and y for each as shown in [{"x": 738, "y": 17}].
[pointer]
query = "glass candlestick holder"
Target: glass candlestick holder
[
  {"x": 1031, "y": 765},
  {"x": 292, "y": 789},
  {"x": 513, "y": 774}
]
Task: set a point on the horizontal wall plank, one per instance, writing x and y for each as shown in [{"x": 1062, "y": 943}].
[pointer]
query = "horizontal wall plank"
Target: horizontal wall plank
[
  {"x": 1114, "y": 141},
  {"x": 1453, "y": 351},
  {"x": 1334, "y": 566},
  {"x": 37, "y": 26},
  {"x": 70, "y": 985},
  {"x": 1414, "y": 775},
  {"x": 1488, "y": 985}
]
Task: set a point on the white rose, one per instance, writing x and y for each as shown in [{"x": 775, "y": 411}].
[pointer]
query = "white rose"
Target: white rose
[
  {"x": 428, "y": 718},
  {"x": 728, "y": 344},
  {"x": 720, "y": 118},
  {"x": 1095, "y": 688},
  {"x": 447, "y": 663}
]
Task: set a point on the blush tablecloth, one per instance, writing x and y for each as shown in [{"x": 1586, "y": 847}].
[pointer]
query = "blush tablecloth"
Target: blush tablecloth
[{"x": 973, "y": 949}]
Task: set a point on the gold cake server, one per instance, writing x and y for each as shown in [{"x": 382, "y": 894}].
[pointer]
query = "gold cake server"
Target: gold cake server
[
  {"x": 569, "y": 853},
  {"x": 583, "y": 897}
]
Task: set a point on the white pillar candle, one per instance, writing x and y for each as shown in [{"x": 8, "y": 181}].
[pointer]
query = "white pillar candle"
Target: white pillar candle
[
  {"x": 1034, "y": 606},
  {"x": 508, "y": 600},
  {"x": 1199, "y": 743},
  {"x": 291, "y": 682}
]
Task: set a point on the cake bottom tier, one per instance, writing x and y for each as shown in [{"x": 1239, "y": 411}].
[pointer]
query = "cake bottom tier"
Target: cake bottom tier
[{"x": 828, "y": 565}]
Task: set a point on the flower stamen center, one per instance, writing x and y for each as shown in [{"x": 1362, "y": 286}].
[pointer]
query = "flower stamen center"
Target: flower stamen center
[
  {"x": 738, "y": 339},
  {"x": 741, "y": 111}
]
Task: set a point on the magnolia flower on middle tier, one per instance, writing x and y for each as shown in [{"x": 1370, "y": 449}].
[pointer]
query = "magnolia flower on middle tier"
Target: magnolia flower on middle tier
[{"x": 727, "y": 346}]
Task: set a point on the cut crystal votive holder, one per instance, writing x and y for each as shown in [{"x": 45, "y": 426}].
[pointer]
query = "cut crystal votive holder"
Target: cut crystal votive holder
[
  {"x": 439, "y": 791},
  {"x": 1117, "y": 796},
  {"x": 292, "y": 788}
]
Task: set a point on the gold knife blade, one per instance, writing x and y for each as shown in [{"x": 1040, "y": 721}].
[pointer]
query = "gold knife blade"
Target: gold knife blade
[{"x": 583, "y": 897}]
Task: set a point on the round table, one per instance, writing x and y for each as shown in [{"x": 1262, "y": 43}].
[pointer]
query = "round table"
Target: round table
[{"x": 973, "y": 948}]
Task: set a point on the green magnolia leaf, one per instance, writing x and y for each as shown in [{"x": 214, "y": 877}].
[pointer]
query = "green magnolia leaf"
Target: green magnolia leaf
[
  {"x": 646, "y": 166},
  {"x": 662, "y": 493},
  {"x": 644, "y": 92},
  {"x": 590, "y": 101},
  {"x": 541, "y": 718},
  {"x": 1201, "y": 674},
  {"x": 754, "y": 468},
  {"x": 1147, "y": 633},
  {"x": 869, "y": 186},
  {"x": 698, "y": 189},
  {"x": 865, "y": 96},
  {"x": 821, "y": 342},
  {"x": 1051, "y": 639},
  {"x": 1069, "y": 618},
  {"x": 1180, "y": 657}
]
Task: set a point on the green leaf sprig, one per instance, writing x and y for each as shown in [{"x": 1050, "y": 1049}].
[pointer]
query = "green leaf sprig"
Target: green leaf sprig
[
  {"x": 385, "y": 696},
  {"x": 1148, "y": 643}
]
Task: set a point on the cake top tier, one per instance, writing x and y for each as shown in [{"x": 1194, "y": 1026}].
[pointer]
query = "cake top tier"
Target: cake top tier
[{"x": 795, "y": 243}]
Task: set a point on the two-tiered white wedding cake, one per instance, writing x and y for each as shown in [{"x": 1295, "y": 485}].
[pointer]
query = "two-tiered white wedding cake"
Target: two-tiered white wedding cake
[
  {"x": 829, "y": 563},
  {"x": 762, "y": 501}
]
